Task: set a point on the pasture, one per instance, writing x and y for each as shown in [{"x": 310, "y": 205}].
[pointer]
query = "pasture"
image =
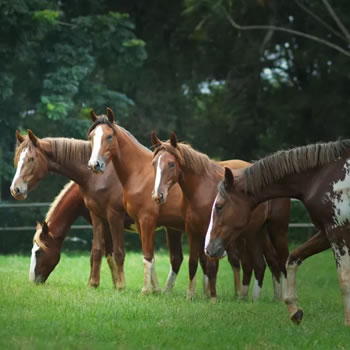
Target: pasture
[{"x": 66, "y": 314}]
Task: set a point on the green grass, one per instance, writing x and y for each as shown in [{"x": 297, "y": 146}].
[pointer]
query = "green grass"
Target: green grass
[{"x": 66, "y": 314}]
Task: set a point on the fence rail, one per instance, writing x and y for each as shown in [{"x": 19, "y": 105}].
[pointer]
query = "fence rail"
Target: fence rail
[{"x": 86, "y": 227}]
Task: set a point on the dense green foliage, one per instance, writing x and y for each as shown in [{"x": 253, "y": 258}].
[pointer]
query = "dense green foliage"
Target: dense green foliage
[
  {"x": 177, "y": 65},
  {"x": 66, "y": 314}
]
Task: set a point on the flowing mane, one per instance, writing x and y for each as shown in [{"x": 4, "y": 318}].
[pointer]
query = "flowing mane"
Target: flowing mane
[
  {"x": 63, "y": 149},
  {"x": 188, "y": 157},
  {"x": 296, "y": 160}
]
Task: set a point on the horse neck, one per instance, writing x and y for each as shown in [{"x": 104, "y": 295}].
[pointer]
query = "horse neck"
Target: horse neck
[
  {"x": 73, "y": 169},
  {"x": 130, "y": 159},
  {"x": 65, "y": 212}
]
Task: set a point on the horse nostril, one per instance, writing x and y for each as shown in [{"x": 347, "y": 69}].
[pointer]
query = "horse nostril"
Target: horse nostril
[
  {"x": 161, "y": 195},
  {"x": 17, "y": 190},
  {"x": 97, "y": 165}
]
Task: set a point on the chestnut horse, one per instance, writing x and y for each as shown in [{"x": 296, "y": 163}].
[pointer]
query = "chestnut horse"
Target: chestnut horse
[
  {"x": 319, "y": 176},
  {"x": 35, "y": 157},
  {"x": 198, "y": 177}
]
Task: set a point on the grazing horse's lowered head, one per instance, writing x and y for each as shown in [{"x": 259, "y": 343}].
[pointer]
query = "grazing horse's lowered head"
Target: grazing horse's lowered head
[
  {"x": 101, "y": 135},
  {"x": 31, "y": 165},
  {"x": 166, "y": 162},
  {"x": 45, "y": 254}
]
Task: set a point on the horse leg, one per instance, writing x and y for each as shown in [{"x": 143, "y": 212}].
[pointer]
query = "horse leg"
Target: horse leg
[
  {"x": 212, "y": 271},
  {"x": 147, "y": 228},
  {"x": 247, "y": 267},
  {"x": 340, "y": 243},
  {"x": 97, "y": 250},
  {"x": 316, "y": 244},
  {"x": 255, "y": 250},
  {"x": 116, "y": 261},
  {"x": 194, "y": 245},
  {"x": 176, "y": 256},
  {"x": 272, "y": 260},
  {"x": 233, "y": 258},
  {"x": 277, "y": 225}
]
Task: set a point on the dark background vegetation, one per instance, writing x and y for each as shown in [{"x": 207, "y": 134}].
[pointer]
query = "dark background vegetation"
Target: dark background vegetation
[{"x": 170, "y": 65}]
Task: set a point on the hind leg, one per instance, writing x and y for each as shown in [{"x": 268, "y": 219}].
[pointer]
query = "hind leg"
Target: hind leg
[
  {"x": 233, "y": 258},
  {"x": 314, "y": 245},
  {"x": 176, "y": 256}
]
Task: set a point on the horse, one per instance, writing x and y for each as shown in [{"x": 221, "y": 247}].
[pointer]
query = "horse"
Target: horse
[
  {"x": 316, "y": 174},
  {"x": 198, "y": 177},
  {"x": 133, "y": 165},
  {"x": 35, "y": 157}
]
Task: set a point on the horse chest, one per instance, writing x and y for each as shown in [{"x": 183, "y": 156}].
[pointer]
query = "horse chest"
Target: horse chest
[{"x": 339, "y": 197}]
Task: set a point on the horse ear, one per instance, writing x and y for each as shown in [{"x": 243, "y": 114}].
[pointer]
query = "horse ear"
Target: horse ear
[
  {"x": 228, "y": 180},
  {"x": 45, "y": 228},
  {"x": 93, "y": 115},
  {"x": 19, "y": 137},
  {"x": 110, "y": 115},
  {"x": 173, "y": 139},
  {"x": 155, "y": 140},
  {"x": 33, "y": 138},
  {"x": 38, "y": 226}
]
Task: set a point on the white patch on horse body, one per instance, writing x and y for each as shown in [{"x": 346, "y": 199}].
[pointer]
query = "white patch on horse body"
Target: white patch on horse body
[
  {"x": 148, "y": 266},
  {"x": 33, "y": 262},
  {"x": 210, "y": 227},
  {"x": 341, "y": 198},
  {"x": 19, "y": 166},
  {"x": 191, "y": 288},
  {"x": 97, "y": 143},
  {"x": 290, "y": 294},
  {"x": 206, "y": 290},
  {"x": 171, "y": 280},
  {"x": 256, "y": 290},
  {"x": 158, "y": 176}
]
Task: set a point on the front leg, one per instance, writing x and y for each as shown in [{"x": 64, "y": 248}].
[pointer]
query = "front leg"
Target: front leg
[
  {"x": 147, "y": 227},
  {"x": 116, "y": 226},
  {"x": 97, "y": 250},
  {"x": 314, "y": 245},
  {"x": 176, "y": 256}
]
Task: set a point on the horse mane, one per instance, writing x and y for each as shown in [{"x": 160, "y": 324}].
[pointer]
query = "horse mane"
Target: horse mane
[
  {"x": 192, "y": 159},
  {"x": 287, "y": 162},
  {"x": 67, "y": 187},
  {"x": 63, "y": 149}
]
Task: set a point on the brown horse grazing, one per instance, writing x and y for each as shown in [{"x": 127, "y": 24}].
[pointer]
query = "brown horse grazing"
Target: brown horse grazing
[
  {"x": 319, "y": 176},
  {"x": 133, "y": 164},
  {"x": 35, "y": 157},
  {"x": 49, "y": 237},
  {"x": 198, "y": 177}
]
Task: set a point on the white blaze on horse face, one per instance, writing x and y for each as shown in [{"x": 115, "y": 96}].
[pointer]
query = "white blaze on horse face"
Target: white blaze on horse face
[
  {"x": 158, "y": 177},
  {"x": 19, "y": 166},
  {"x": 33, "y": 262},
  {"x": 210, "y": 227},
  {"x": 97, "y": 143},
  {"x": 341, "y": 198}
]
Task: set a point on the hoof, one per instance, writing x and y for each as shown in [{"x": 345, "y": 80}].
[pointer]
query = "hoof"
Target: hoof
[
  {"x": 93, "y": 284},
  {"x": 190, "y": 296},
  {"x": 120, "y": 287},
  {"x": 145, "y": 291},
  {"x": 156, "y": 291},
  {"x": 297, "y": 317},
  {"x": 213, "y": 300}
]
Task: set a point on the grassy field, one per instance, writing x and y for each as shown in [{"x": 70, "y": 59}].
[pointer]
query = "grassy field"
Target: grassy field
[{"x": 65, "y": 314}]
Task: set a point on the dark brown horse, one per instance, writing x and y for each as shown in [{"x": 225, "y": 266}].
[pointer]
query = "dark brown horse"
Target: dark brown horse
[
  {"x": 133, "y": 164},
  {"x": 102, "y": 196},
  {"x": 198, "y": 177},
  {"x": 319, "y": 176}
]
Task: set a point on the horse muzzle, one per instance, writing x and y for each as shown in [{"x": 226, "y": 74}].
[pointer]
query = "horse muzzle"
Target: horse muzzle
[
  {"x": 97, "y": 167},
  {"x": 215, "y": 249},
  {"x": 19, "y": 192},
  {"x": 159, "y": 198}
]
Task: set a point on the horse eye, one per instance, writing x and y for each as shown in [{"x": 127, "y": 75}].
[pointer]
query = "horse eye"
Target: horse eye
[
  {"x": 171, "y": 165},
  {"x": 109, "y": 138},
  {"x": 218, "y": 207}
]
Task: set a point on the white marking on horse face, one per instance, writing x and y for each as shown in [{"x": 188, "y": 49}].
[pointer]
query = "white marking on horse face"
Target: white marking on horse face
[
  {"x": 341, "y": 198},
  {"x": 19, "y": 166},
  {"x": 158, "y": 176},
  {"x": 33, "y": 262},
  {"x": 256, "y": 290},
  {"x": 97, "y": 144},
  {"x": 210, "y": 227}
]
